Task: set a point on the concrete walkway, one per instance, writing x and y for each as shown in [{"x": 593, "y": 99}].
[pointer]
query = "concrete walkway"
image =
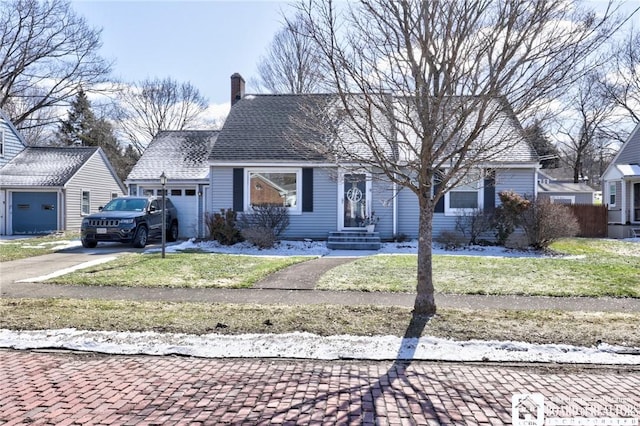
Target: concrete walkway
[{"x": 294, "y": 285}]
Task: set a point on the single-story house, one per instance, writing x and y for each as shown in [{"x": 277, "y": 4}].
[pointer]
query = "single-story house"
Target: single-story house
[
  {"x": 44, "y": 189},
  {"x": 322, "y": 196},
  {"x": 557, "y": 185},
  {"x": 183, "y": 156},
  {"x": 621, "y": 189}
]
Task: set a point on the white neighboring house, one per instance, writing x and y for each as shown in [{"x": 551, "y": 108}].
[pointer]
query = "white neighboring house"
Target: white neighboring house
[
  {"x": 183, "y": 156},
  {"x": 45, "y": 189},
  {"x": 621, "y": 189}
]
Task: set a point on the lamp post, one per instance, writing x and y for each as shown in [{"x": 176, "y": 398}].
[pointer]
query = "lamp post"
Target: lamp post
[{"x": 163, "y": 182}]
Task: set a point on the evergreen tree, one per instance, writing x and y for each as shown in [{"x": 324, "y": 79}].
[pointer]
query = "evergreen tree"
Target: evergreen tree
[
  {"x": 83, "y": 128},
  {"x": 550, "y": 156},
  {"x": 74, "y": 131}
]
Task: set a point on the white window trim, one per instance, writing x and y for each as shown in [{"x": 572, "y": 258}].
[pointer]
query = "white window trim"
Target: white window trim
[
  {"x": 448, "y": 211},
  {"x": 247, "y": 185},
  {"x": 82, "y": 212},
  {"x": 571, "y": 198},
  {"x": 613, "y": 183}
]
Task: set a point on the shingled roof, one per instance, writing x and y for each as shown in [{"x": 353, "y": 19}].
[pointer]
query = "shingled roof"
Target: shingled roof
[
  {"x": 179, "y": 154},
  {"x": 261, "y": 128},
  {"x": 45, "y": 166}
]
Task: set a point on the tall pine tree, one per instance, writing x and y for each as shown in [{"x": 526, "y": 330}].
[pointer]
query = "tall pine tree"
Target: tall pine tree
[{"x": 83, "y": 128}]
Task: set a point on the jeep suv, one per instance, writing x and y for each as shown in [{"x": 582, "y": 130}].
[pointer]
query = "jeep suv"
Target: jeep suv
[{"x": 131, "y": 220}]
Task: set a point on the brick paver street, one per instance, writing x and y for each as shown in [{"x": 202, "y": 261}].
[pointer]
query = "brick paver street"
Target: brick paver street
[{"x": 66, "y": 388}]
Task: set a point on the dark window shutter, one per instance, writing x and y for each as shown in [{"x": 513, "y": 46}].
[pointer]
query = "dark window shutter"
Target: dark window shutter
[
  {"x": 489, "y": 193},
  {"x": 440, "y": 204},
  {"x": 307, "y": 190},
  {"x": 238, "y": 190}
]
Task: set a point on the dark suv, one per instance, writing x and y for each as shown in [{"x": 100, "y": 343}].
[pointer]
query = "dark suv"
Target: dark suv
[{"x": 130, "y": 220}]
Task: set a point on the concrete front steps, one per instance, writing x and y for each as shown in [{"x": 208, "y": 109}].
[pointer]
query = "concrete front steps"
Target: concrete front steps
[{"x": 353, "y": 240}]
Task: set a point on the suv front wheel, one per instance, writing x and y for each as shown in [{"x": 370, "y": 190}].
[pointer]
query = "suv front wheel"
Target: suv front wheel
[
  {"x": 140, "y": 240},
  {"x": 172, "y": 235},
  {"x": 86, "y": 243}
]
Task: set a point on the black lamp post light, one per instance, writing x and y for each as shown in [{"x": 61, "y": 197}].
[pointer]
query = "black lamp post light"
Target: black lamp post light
[{"x": 163, "y": 182}]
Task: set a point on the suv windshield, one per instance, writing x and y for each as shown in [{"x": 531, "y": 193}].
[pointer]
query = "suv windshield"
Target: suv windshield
[{"x": 133, "y": 205}]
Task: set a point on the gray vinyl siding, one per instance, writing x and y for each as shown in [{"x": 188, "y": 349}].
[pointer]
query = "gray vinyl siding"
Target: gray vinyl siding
[
  {"x": 614, "y": 211},
  {"x": 94, "y": 176},
  {"x": 12, "y": 145},
  {"x": 382, "y": 205},
  {"x": 315, "y": 225},
  {"x": 521, "y": 181},
  {"x": 630, "y": 153},
  {"x": 221, "y": 189},
  {"x": 324, "y": 218}
]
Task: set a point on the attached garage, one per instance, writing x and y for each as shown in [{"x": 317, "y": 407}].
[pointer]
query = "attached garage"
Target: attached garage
[
  {"x": 186, "y": 201},
  {"x": 183, "y": 157},
  {"x": 34, "y": 212}
]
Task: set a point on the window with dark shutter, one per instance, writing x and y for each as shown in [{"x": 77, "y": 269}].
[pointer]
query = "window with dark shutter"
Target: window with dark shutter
[
  {"x": 238, "y": 190},
  {"x": 307, "y": 190}
]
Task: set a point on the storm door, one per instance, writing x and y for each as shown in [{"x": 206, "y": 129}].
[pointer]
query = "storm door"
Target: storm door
[{"x": 354, "y": 194}]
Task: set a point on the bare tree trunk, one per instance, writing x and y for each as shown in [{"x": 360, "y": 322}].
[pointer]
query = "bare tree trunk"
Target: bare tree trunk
[{"x": 425, "y": 302}]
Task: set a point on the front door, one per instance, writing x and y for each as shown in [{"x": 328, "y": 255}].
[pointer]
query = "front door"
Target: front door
[{"x": 354, "y": 200}]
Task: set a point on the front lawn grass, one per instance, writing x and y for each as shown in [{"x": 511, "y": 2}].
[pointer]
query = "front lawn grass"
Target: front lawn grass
[
  {"x": 188, "y": 270},
  {"x": 34, "y": 246},
  {"x": 587, "y": 267},
  {"x": 576, "y": 328}
]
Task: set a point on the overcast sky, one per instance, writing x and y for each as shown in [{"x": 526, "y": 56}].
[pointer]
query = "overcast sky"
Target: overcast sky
[{"x": 202, "y": 42}]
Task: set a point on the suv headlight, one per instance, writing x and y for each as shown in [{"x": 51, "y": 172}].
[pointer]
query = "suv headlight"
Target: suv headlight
[{"x": 127, "y": 221}]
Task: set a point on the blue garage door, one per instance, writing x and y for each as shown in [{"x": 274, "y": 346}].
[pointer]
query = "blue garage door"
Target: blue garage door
[{"x": 34, "y": 212}]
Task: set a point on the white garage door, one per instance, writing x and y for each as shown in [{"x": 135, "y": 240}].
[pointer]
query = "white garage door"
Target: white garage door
[{"x": 186, "y": 201}]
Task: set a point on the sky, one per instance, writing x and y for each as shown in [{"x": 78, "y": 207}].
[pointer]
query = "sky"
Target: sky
[{"x": 201, "y": 42}]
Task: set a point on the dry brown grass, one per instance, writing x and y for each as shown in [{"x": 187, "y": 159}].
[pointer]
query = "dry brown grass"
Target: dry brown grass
[{"x": 577, "y": 328}]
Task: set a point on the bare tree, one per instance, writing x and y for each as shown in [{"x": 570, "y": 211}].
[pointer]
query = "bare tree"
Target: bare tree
[
  {"x": 583, "y": 133},
  {"x": 143, "y": 109},
  {"x": 291, "y": 64},
  {"x": 622, "y": 83},
  {"x": 46, "y": 53},
  {"x": 459, "y": 71}
]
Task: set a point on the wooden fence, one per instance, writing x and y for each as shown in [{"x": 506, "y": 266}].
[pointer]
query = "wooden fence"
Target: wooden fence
[{"x": 592, "y": 220}]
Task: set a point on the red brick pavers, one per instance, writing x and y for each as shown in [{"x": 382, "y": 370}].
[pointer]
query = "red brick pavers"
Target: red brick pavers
[{"x": 65, "y": 389}]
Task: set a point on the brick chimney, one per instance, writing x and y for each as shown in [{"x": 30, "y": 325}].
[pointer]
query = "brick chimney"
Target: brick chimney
[{"x": 237, "y": 88}]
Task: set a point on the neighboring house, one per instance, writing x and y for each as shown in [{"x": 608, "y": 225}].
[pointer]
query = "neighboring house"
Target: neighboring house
[
  {"x": 183, "y": 157},
  {"x": 621, "y": 189},
  {"x": 254, "y": 147},
  {"x": 50, "y": 188},
  {"x": 558, "y": 186},
  {"x": 44, "y": 189}
]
